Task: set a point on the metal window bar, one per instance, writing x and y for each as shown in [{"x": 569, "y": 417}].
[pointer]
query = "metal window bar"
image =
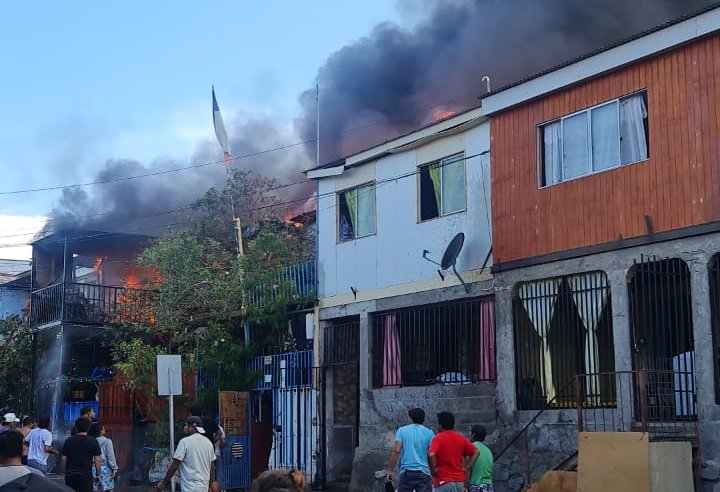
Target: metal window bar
[
  {"x": 563, "y": 327},
  {"x": 714, "y": 273},
  {"x": 662, "y": 336},
  {"x": 292, "y": 281},
  {"x": 341, "y": 342},
  {"x": 441, "y": 343}
]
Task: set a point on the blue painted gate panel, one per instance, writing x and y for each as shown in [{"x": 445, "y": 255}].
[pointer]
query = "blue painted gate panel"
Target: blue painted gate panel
[{"x": 234, "y": 470}]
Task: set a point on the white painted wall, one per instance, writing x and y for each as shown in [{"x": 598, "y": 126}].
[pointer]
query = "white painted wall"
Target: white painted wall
[{"x": 393, "y": 256}]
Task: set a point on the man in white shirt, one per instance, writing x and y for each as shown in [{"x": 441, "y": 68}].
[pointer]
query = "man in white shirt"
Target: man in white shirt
[
  {"x": 195, "y": 457},
  {"x": 39, "y": 441}
]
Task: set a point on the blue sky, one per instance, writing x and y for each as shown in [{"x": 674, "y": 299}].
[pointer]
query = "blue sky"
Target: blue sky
[{"x": 86, "y": 81}]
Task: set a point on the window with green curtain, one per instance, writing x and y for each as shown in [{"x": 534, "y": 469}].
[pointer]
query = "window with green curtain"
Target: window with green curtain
[
  {"x": 356, "y": 212},
  {"x": 442, "y": 187}
]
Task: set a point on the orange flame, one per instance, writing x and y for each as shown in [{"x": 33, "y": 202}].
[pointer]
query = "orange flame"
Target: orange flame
[{"x": 441, "y": 114}]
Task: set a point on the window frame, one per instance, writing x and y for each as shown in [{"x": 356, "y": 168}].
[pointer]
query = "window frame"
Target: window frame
[
  {"x": 540, "y": 157},
  {"x": 460, "y": 158},
  {"x": 337, "y": 214}
]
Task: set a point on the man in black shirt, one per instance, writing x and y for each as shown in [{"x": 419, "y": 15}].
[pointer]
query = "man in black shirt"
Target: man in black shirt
[{"x": 79, "y": 453}]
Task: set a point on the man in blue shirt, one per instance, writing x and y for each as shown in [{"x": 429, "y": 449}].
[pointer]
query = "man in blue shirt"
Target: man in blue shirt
[{"x": 411, "y": 448}]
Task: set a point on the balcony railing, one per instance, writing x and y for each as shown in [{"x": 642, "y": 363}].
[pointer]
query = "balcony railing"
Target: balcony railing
[
  {"x": 293, "y": 282},
  {"x": 91, "y": 304}
]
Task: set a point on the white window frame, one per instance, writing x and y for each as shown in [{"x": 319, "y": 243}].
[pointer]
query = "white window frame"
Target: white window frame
[
  {"x": 459, "y": 156},
  {"x": 337, "y": 215},
  {"x": 591, "y": 167}
]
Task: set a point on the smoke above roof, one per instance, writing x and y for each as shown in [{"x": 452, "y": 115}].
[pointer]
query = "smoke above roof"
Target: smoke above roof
[
  {"x": 396, "y": 79},
  {"x": 387, "y": 83}
]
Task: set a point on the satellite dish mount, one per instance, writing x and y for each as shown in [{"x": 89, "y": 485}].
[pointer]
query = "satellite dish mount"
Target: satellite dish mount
[{"x": 449, "y": 258}]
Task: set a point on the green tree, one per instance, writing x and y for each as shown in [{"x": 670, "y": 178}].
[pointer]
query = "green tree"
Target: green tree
[
  {"x": 15, "y": 365},
  {"x": 206, "y": 297}
]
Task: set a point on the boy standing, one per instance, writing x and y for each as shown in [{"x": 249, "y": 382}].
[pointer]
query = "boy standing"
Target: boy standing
[{"x": 481, "y": 474}]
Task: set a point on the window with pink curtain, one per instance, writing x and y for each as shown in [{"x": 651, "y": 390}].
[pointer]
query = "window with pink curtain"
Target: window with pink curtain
[
  {"x": 487, "y": 340},
  {"x": 392, "y": 369}
]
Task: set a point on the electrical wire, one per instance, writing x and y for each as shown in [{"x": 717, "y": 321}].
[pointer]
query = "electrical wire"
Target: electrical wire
[
  {"x": 377, "y": 183},
  {"x": 210, "y": 163}
]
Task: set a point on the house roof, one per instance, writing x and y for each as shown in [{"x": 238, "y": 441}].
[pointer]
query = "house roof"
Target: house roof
[
  {"x": 13, "y": 267},
  {"x": 451, "y": 125},
  {"x": 684, "y": 29}
]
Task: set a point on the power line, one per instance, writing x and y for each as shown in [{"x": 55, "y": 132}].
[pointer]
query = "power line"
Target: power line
[
  {"x": 377, "y": 183},
  {"x": 205, "y": 164}
]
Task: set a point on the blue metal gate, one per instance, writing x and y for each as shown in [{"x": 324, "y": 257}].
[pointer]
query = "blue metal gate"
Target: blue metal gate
[{"x": 234, "y": 466}]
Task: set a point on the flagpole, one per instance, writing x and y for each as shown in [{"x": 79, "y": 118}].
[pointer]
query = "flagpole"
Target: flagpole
[{"x": 224, "y": 142}]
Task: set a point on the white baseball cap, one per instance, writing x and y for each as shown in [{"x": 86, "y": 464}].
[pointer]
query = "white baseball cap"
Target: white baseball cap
[{"x": 10, "y": 417}]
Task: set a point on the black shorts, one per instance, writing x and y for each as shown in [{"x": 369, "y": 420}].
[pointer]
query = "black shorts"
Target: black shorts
[{"x": 79, "y": 482}]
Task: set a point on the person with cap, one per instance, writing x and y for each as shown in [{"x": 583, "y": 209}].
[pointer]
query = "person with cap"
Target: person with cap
[
  {"x": 9, "y": 422},
  {"x": 14, "y": 476},
  {"x": 195, "y": 457}
]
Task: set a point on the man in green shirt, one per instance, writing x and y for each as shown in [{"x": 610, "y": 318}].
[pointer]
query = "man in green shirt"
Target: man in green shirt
[{"x": 481, "y": 474}]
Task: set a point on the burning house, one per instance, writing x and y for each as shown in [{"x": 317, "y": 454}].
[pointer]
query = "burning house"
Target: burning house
[{"x": 84, "y": 285}]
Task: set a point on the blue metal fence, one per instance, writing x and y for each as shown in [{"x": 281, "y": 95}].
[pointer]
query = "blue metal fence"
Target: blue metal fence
[
  {"x": 293, "y": 281},
  {"x": 289, "y": 370},
  {"x": 234, "y": 470}
]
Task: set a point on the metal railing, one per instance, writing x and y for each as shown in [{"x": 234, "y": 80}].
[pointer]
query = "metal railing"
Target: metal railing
[
  {"x": 91, "y": 304},
  {"x": 342, "y": 342},
  {"x": 662, "y": 403},
  {"x": 293, "y": 281}
]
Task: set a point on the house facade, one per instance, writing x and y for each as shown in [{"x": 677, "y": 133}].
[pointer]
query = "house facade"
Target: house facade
[
  {"x": 85, "y": 285},
  {"x": 396, "y": 330},
  {"x": 606, "y": 226},
  {"x": 14, "y": 288}
]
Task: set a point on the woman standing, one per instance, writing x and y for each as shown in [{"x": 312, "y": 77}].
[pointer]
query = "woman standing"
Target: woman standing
[{"x": 109, "y": 467}]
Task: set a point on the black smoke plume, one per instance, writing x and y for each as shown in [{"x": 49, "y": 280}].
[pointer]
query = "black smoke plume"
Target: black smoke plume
[
  {"x": 395, "y": 79},
  {"x": 154, "y": 204},
  {"x": 387, "y": 83}
]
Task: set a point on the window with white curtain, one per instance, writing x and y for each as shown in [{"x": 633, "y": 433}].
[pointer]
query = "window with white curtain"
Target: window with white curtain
[
  {"x": 442, "y": 187},
  {"x": 596, "y": 139},
  {"x": 356, "y": 212}
]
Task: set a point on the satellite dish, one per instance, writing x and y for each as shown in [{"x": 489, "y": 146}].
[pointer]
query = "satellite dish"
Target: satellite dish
[
  {"x": 449, "y": 258},
  {"x": 452, "y": 251}
]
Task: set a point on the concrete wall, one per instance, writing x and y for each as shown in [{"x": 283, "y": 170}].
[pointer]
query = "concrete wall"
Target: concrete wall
[
  {"x": 696, "y": 252},
  {"x": 393, "y": 255},
  {"x": 383, "y": 411}
]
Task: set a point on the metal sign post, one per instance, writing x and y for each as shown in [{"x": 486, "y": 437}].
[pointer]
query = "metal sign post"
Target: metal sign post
[{"x": 169, "y": 371}]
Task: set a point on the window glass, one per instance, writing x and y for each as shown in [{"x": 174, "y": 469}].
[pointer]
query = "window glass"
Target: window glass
[
  {"x": 365, "y": 210},
  {"x": 605, "y": 140},
  {"x": 575, "y": 146},
  {"x": 633, "y": 129},
  {"x": 453, "y": 184}
]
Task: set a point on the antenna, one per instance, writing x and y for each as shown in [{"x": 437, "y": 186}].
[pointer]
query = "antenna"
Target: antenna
[{"x": 449, "y": 258}]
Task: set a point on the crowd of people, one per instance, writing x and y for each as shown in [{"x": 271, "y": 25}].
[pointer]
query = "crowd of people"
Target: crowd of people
[
  {"x": 87, "y": 456},
  {"x": 445, "y": 461}
]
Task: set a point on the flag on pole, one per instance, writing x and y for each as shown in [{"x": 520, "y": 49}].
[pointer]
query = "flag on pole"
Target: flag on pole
[{"x": 220, "y": 132}]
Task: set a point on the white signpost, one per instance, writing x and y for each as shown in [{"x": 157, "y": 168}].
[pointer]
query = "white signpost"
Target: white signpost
[{"x": 169, "y": 372}]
